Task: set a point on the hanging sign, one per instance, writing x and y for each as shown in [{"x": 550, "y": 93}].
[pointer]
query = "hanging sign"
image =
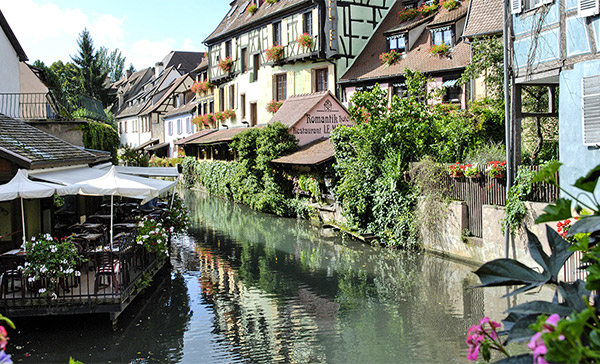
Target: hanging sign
[{"x": 330, "y": 29}]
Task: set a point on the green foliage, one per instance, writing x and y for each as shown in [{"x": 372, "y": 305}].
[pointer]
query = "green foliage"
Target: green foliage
[
  {"x": 131, "y": 157},
  {"x": 487, "y": 61},
  {"x": 373, "y": 155},
  {"x": 111, "y": 63},
  {"x": 516, "y": 211},
  {"x": 310, "y": 184},
  {"x": 101, "y": 136},
  {"x": 90, "y": 68},
  {"x": 251, "y": 180}
]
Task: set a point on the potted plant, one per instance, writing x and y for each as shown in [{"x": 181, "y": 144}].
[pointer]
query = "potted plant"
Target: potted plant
[
  {"x": 153, "y": 236},
  {"x": 273, "y": 106},
  {"x": 456, "y": 170},
  {"x": 274, "y": 53},
  {"x": 389, "y": 58},
  {"x": 252, "y": 9},
  {"x": 439, "y": 49},
  {"x": 226, "y": 64},
  {"x": 471, "y": 171},
  {"x": 305, "y": 41},
  {"x": 49, "y": 260},
  {"x": 497, "y": 169}
]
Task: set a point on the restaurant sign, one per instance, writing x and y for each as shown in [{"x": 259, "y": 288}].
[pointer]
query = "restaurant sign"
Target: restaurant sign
[
  {"x": 320, "y": 121},
  {"x": 331, "y": 19}
]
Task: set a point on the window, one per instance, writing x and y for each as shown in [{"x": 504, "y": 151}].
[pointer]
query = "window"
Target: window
[
  {"x": 232, "y": 97},
  {"x": 400, "y": 90},
  {"x": 591, "y": 110},
  {"x": 212, "y": 107},
  {"x": 280, "y": 87},
  {"x": 277, "y": 33},
  {"x": 188, "y": 125},
  {"x": 228, "y": 48},
  {"x": 243, "y": 105},
  {"x": 397, "y": 43},
  {"x": 321, "y": 78},
  {"x": 253, "y": 113},
  {"x": 256, "y": 65},
  {"x": 244, "y": 60},
  {"x": 222, "y": 99},
  {"x": 121, "y": 128},
  {"x": 453, "y": 90},
  {"x": 442, "y": 35},
  {"x": 170, "y": 125},
  {"x": 307, "y": 23},
  {"x": 125, "y": 127}
]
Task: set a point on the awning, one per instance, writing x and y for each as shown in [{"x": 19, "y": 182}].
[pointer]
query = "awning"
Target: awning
[
  {"x": 311, "y": 154},
  {"x": 67, "y": 177},
  {"x": 449, "y": 83},
  {"x": 194, "y": 136},
  {"x": 220, "y": 136},
  {"x": 145, "y": 144},
  {"x": 143, "y": 171},
  {"x": 157, "y": 146}
]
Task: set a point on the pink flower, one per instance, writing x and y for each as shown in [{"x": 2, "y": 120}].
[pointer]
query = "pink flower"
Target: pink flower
[
  {"x": 476, "y": 335},
  {"x": 536, "y": 344}
]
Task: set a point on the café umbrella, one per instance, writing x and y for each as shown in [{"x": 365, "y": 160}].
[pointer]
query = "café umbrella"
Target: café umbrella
[
  {"x": 111, "y": 184},
  {"x": 22, "y": 187}
]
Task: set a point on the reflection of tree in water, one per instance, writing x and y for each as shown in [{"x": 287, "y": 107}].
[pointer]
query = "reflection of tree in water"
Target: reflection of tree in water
[{"x": 302, "y": 296}]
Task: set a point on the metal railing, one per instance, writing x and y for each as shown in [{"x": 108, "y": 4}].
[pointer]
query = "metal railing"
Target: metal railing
[{"x": 29, "y": 106}]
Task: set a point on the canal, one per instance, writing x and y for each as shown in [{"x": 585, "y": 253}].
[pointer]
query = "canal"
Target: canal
[{"x": 247, "y": 287}]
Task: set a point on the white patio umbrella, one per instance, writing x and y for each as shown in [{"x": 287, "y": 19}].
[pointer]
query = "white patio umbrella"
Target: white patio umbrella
[
  {"x": 113, "y": 184},
  {"x": 22, "y": 187}
]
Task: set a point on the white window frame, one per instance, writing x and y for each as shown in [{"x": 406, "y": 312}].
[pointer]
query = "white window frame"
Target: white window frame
[{"x": 592, "y": 99}]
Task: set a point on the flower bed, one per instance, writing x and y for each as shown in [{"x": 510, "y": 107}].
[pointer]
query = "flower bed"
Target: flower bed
[
  {"x": 274, "y": 53},
  {"x": 389, "y": 58},
  {"x": 226, "y": 64},
  {"x": 273, "y": 106}
]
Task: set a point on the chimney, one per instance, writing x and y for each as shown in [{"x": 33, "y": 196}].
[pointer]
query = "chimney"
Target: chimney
[
  {"x": 128, "y": 73},
  {"x": 159, "y": 67}
]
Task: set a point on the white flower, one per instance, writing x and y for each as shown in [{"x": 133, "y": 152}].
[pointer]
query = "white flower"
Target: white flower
[
  {"x": 33, "y": 238},
  {"x": 54, "y": 296},
  {"x": 42, "y": 290},
  {"x": 30, "y": 279},
  {"x": 20, "y": 267},
  {"x": 48, "y": 236},
  {"x": 77, "y": 273}
]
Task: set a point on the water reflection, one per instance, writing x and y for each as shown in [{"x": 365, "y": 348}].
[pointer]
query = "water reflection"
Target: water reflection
[
  {"x": 252, "y": 288},
  {"x": 281, "y": 293}
]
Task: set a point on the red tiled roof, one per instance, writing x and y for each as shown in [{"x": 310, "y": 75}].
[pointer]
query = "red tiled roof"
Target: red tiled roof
[
  {"x": 368, "y": 66},
  {"x": 314, "y": 153},
  {"x": 484, "y": 18},
  {"x": 239, "y": 17}
]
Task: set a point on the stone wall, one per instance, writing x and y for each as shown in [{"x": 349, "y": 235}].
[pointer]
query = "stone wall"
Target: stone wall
[
  {"x": 65, "y": 130},
  {"x": 448, "y": 239}
]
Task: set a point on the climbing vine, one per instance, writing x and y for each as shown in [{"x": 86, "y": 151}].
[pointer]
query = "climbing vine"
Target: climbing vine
[
  {"x": 101, "y": 136},
  {"x": 516, "y": 210}
]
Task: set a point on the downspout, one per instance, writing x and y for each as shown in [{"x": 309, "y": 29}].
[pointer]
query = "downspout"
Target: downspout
[{"x": 507, "y": 113}]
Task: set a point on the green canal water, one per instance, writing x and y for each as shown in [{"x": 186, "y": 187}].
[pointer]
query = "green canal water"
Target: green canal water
[{"x": 247, "y": 287}]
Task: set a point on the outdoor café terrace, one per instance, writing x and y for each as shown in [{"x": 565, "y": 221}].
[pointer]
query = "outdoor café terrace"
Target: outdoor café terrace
[{"x": 92, "y": 260}]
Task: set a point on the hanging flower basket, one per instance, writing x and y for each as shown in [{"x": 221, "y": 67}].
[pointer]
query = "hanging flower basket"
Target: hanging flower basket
[
  {"x": 274, "y": 53},
  {"x": 226, "y": 64}
]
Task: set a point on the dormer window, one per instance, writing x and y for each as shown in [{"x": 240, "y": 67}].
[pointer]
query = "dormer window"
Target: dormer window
[
  {"x": 397, "y": 43},
  {"x": 443, "y": 35}
]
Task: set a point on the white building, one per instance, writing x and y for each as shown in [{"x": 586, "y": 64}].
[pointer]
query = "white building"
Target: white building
[{"x": 11, "y": 53}]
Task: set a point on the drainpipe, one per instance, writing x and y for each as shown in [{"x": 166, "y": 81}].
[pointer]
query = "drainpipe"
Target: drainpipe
[{"x": 507, "y": 111}]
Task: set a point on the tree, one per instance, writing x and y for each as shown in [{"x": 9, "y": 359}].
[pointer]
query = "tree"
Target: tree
[
  {"x": 65, "y": 81},
  {"x": 90, "y": 68},
  {"x": 112, "y": 63}
]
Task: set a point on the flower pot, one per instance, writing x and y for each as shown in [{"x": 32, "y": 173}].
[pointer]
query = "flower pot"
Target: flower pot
[
  {"x": 475, "y": 176},
  {"x": 456, "y": 176},
  {"x": 502, "y": 175}
]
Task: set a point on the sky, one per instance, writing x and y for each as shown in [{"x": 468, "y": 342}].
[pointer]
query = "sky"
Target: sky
[{"x": 144, "y": 31}]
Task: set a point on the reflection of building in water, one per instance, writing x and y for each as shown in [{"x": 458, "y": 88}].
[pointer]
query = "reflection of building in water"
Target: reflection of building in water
[{"x": 263, "y": 326}]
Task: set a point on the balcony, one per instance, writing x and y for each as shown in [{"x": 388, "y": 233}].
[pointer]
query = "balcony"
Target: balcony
[{"x": 44, "y": 106}]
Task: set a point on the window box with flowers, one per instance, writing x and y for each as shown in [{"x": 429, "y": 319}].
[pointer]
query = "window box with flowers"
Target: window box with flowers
[
  {"x": 274, "y": 53},
  {"x": 497, "y": 169},
  {"x": 273, "y": 106},
  {"x": 229, "y": 114},
  {"x": 219, "y": 116},
  {"x": 439, "y": 49},
  {"x": 389, "y": 58},
  {"x": 427, "y": 10},
  {"x": 226, "y": 64},
  {"x": 450, "y": 4},
  {"x": 252, "y": 9},
  {"x": 472, "y": 171},
  {"x": 272, "y": 1},
  {"x": 198, "y": 87},
  {"x": 407, "y": 14},
  {"x": 305, "y": 41},
  {"x": 456, "y": 170},
  {"x": 48, "y": 262}
]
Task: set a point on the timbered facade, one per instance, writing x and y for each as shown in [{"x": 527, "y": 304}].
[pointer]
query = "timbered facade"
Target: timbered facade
[{"x": 249, "y": 72}]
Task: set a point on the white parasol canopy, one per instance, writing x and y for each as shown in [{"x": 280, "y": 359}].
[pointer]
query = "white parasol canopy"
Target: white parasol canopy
[
  {"x": 22, "y": 187},
  {"x": 111, "y": 183}
]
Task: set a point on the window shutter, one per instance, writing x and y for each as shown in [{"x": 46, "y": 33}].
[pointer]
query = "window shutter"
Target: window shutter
[
  {"x": 516, "y": 6},
  {"x": 591, "y": 110},
  {"x": 587, "y": 7}
]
